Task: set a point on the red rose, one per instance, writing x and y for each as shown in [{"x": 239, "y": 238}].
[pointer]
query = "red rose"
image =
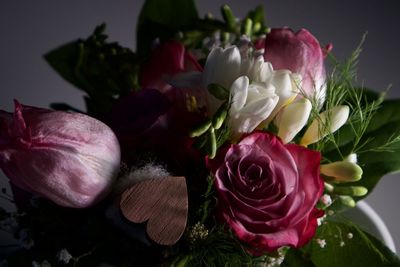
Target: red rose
[{"x": 267, "y": 191}]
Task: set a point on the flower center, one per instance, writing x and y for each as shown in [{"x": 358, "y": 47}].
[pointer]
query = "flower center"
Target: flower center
[{"x": 253, "y": 177}]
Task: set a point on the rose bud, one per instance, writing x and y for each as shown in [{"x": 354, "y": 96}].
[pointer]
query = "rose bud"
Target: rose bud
[
  {"x": 69, "y": 158},
  {"x": 301, "y": 53}
]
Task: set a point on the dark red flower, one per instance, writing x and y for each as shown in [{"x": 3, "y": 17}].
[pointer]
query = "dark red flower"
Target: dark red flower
[{"x": 267, "y": 191}]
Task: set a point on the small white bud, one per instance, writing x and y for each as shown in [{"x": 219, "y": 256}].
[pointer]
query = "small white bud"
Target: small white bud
[
  {"x": 326, "y": 200},
  {"x": 352, "y": 158},
  {"x": 321, "y": 242},
  {"x": 294, "y": 117},
  {"x": 327, "y": 122},
  {"x": 350, "y": 235}
]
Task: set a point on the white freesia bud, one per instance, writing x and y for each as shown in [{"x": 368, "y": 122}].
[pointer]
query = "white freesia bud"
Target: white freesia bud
[
  {"x": 327, "y": 122},
  {"x": 293, "y": 118},
  {"x": 342, "y": 171}
]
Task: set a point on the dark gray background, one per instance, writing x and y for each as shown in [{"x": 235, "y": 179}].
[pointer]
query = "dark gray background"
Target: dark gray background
[{"x": 28, "y": 29}]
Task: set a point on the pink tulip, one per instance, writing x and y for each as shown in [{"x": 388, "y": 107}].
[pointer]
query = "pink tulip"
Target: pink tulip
[
  {"x": 301, "y": 53},
  {"x": 69, "y": 158}
]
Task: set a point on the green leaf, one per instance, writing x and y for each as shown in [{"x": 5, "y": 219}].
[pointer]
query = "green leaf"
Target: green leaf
[
  {"x": 295, "y": 258},
  {"x": 345, "y": 246},
  {"x": 105, "y": 71},
  {"x": 163, "y": 19},
  {"x": 374, "y": 157}
]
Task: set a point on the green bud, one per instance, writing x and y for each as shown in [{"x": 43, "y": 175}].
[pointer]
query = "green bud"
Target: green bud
[
  {"x": 229, "y": 18},
  {"x": 220, "y": 116},
  {"x": 356, "y": 191},
  {"x": 342, "y": 171},
  {"x": 225, "y": 37},
  {"x": 218, "y": 91},
  {"x": 348, "y": 201},
  {"x": 200, "y": 129},
  {"x": 257, "y": 27},
  {"x": 212, "y": 144},
  {"x": 247, "y": 27},
  {"x": 266, "y": 30}
]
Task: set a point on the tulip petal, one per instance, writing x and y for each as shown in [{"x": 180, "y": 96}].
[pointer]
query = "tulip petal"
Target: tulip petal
[{"x": 70, "y": 158}]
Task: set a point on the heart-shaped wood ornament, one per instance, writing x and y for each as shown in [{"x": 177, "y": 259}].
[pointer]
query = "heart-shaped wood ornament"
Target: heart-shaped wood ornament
[{"x": 163, "y": 203}]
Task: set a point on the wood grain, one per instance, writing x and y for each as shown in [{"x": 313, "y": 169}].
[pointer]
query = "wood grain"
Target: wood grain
[{"x": 163, "y": 203}]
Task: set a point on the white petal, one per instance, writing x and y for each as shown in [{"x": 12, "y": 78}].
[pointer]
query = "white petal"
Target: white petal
[
  {"x": 260, "y": 90},
  {"x": 247, "y": 119},
  {"x": 294, "y": 117},
  {"x": 285, "y": 88},
  {"x": 239, "y": 93},
  {"x": 261, "y": 71},
  {"x": 222, "y": 66}
]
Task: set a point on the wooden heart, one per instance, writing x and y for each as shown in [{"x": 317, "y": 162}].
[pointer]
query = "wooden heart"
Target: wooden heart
[{"x": 163, "y": 203}]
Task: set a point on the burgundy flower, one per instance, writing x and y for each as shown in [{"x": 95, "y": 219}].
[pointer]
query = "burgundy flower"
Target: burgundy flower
[
  {"x": 69, "y": 158},
  {"x": 167, "y": 60},
  {"x": 267, "y": 191},
  {"x": 151, "y": 121},
  {"x": 301, "y": 53}
]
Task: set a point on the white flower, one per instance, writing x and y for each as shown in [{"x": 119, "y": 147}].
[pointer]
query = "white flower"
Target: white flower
[
  {"x": 251, "y": 104},
  {"x": 257, "y": 92},
  {"x": 285, "y": 82}
]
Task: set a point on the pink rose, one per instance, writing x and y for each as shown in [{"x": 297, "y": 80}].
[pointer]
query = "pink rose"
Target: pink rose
[
  {"x": 69, "y": 158},
  {"x": 301, "y": 53},
  {"x": 267, "y": 191}
]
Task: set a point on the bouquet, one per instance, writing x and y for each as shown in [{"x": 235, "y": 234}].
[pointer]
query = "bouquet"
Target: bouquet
[{"x": 218, "y": 142}]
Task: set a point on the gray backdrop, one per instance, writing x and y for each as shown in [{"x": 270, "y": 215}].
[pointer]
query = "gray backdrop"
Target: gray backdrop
[{"x": 30, "y": 28}]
